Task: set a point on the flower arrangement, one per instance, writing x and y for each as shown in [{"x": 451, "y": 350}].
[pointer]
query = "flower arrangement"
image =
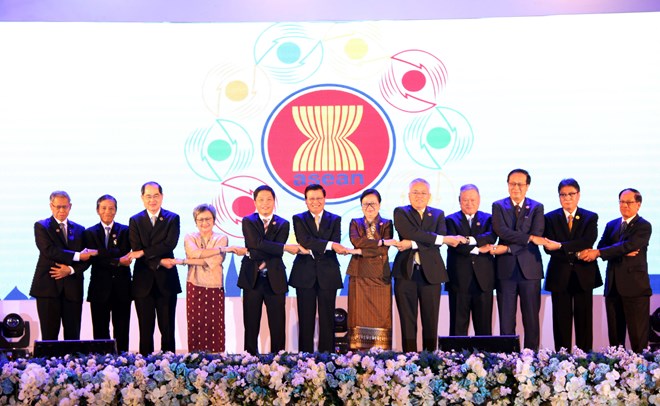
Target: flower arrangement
[{"x": 615, "y": 376}]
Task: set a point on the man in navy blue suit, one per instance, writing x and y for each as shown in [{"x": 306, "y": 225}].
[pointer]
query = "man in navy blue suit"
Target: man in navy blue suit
[
  {"x": 624, "y": 245},
  {"x": 518, "y": 221}
]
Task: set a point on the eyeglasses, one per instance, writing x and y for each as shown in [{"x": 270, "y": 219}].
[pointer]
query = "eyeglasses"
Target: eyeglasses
[
  {"x": 627, "y": 202},
  {"x": 204, "y": 220},
  {"x": 372, "y": 205},
  {"x": 61, "y": 207},
  {"x": 151, "y": 197},
  {"x": 565, "y": 195},
  {"x": 517, "y": 184},
  {"x": 416, "y": 193}
]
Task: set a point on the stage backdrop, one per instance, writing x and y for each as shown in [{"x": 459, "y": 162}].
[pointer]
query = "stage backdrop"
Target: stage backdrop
[{"x": 211, "y": 111}]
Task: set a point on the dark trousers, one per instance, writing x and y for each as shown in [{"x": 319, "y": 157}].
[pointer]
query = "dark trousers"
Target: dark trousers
[
  {"x": 120, "y": 313},
  {"x": 253, "y": 300},
  {"x": 155, "y": 304},
  {"x": 631, "y": 313},
  {"x": 574, "y": 306},
  {"x": 529, "y": 291},
  {"x": 55, "y": 310},
  {"x": 408, "y": 295},
  {"x": 476, "y": 302},
  {"x": 307, "y": 301}
]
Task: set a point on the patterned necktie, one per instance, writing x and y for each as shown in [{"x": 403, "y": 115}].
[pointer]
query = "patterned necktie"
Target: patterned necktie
[
  {"x": 63, "y": 231},
  {"x": 107, "y": 236},
  {"x": 266, "y": 221},
  {"x": 570, "y": 222}
]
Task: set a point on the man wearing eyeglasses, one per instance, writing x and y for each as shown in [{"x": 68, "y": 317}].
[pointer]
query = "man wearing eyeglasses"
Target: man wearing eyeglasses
[
  {"x": 571, "y": 281},
  {"x": 418, "y": 268},
  {"x": 154, "y": 233},
  {"x": 58, "y": 278},
  {"x": 518, "y": 222},
  {"x": 315, "y": 273},
  {"x": 627, "y": 287}
]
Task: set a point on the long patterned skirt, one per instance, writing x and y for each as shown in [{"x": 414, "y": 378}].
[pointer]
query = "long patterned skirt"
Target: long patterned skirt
[
  {"x": 205, "y": 310},
  {"x": 369, "y": 313}
]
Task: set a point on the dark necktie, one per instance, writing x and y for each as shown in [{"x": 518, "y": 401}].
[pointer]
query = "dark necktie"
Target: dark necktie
[
  {"x": 107, "y": 236},
  {"x": 63, "y": 232},
  {"x": 517, "y": 220},
  {"x": 622, "y": 229}
]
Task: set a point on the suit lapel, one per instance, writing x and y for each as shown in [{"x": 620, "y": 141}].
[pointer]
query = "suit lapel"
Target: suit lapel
[{"x": 100, "y": 235}]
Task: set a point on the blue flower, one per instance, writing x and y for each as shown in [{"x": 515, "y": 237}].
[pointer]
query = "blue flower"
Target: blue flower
[
  {"x": 7, "y": 387},
  {"x": 158, "y": 376}
]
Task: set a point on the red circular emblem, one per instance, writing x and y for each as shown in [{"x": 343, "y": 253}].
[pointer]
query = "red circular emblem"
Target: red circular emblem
[{"x": 332, "y": 135}]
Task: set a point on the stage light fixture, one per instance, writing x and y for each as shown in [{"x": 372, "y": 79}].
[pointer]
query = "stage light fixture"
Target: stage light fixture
[
  {"x": 14, "y": 336},
  {"x": 341, "y": 331}
]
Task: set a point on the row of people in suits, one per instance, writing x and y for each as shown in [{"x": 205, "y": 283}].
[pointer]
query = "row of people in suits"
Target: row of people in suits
[
  {"x": 513, "y": 266},
  {"x": 476, "y": 265},
  {"x": 67, "y": 249}
]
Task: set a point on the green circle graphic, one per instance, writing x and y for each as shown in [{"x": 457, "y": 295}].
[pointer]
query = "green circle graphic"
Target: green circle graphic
[
  {"x": 219, "y": 150},
  {"x": 438, "y": 138}
]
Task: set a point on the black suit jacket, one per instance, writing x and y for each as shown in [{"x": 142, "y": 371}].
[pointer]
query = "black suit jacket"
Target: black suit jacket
[
  {"x": 323, "y": 266},
  {"x": 515, "y": 234},
  {"x": 630, "y": 274},
  {"x": 564, "y": 261},
  {"x": 423, "y": 231},
  {"x": 52, "y": 249},
  {"x": 265, "y": 246},
  {"x": 461, "y": 264},
  {"x": 106, "y": 266},
  {"x": 157, "y": 242}
]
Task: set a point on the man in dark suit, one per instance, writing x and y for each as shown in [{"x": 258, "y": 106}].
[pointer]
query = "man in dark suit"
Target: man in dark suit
[
  {"x": 418, "y": 268},
  {"x": 471, "y": 267},
  {"x": 263, "y": 274},
  {"x": 315, "y": 273},
  {"x": 109, "y": 292},
  {"x": 571, "y": 281},
  {"x": 58, "y": 278},
  {"x": 518, "y": 222},
  {"x": 627, "y": 287},
  {"x": 154, "y": 233}
]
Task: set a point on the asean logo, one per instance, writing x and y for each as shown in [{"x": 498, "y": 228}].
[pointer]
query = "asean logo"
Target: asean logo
[{"x": 332, "y": 135}]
